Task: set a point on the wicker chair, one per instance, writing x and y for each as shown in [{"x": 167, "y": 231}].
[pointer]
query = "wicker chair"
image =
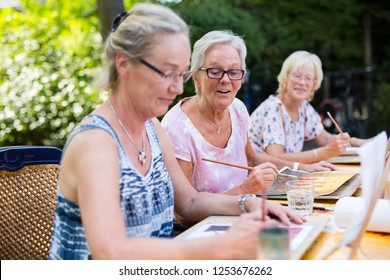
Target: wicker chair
[{"x": 28, "y": 183}]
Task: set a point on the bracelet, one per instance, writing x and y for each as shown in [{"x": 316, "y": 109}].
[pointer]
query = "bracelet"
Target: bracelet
[
  {"x": 241, "y": 202},
  {"x": 295, "y": 166},
  {"x": 315, "y": 154}
]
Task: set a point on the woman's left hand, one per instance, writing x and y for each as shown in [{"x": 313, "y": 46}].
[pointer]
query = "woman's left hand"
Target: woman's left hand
[
  {"x": 317, "y": 166},
  {"x": 283, "y": 213}
]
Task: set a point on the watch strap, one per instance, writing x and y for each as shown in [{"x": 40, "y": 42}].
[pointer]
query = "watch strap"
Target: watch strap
[{"x": 241, "y": 202}]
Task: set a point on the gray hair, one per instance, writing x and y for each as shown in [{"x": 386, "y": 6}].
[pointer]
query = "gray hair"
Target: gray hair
[
  {"x": 295, "y": 61},
  {"x": 212, "y": 38},
  {"x": 136, "y": 36}
]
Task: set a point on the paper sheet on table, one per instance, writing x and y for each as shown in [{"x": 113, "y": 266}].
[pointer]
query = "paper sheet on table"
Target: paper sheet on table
[
  {"x": 328, "y": 181},
  {"x": 351, "y": 151},
  {"x": 207, "y": 230},
  {"x": 372, "y": 156},
  {"x": 298, "y": 233},
  {"x": 325, "y": 182},
  {"x": 345, "y": 159}
]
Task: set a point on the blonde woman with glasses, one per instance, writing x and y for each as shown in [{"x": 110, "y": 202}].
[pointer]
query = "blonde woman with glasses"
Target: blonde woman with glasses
[{"x": 281, "y": 124}]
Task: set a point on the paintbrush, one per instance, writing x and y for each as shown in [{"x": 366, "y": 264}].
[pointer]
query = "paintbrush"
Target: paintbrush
[
  {"x": 337, "y": 126},
  {"x": 335, "y": 123},
  {"x": 245, "y": 167}
]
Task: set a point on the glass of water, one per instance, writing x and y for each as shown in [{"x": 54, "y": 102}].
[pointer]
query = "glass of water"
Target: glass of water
[{"x": 300, "y": 196}]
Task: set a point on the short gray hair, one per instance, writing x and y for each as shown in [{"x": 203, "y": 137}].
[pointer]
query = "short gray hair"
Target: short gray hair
[
  {"x": 296, "y": 60},
  {"x": 217, "y": 37},
  {"x": 136, "y": 36},
  {"x": 212, "y": 38}
]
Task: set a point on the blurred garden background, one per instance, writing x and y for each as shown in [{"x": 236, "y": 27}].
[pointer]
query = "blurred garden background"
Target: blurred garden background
[{"x": 50, "y": 52}]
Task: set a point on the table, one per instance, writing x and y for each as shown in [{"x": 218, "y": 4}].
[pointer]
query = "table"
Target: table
[{"x": 374, "y": 245}]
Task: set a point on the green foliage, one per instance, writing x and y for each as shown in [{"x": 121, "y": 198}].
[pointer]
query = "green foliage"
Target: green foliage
[
  {"x": 205, "y": 16},
  {"x": 333, "y": 29},
  {"x": 49, "y": 56},
  {"x": 274, "y": 29},
  {"x": 328, "y": 28}
]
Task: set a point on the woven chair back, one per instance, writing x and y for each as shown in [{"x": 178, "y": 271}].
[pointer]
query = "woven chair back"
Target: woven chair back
[{"x": 28, "y": 184}]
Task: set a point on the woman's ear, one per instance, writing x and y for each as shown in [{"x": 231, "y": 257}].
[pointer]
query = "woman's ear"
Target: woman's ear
[
  {"x": 196, "y": 80},
  {"x": 122, "y": 63}
]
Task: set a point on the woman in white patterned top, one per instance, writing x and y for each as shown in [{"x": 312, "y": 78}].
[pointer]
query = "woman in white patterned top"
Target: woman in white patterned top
[{"x": 281, "y": 124}]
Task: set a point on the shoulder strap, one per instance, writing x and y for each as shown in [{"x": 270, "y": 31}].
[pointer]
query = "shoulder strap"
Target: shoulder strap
[{"x": 282, "y": 117}]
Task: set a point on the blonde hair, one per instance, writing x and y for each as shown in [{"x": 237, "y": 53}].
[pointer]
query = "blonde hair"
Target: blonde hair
[
  {"x": 136, "y": 35},
  {"x": 295, "y": 61}
]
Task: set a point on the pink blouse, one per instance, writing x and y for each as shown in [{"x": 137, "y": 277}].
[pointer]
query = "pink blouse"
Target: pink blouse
[{"x": 189, "y": 145}]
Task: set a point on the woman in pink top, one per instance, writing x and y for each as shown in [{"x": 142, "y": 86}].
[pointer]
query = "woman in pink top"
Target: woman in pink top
[{"x": 214, "y": 123}]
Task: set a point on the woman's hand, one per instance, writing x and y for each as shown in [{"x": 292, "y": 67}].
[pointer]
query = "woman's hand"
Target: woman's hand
[
  {"x": 240, "y": 241},
  {"x": 261, "y": 177},
  {"x": 337, "y": 145},
  {"x": 318, "y": 166},
  {"x": 284, "y": 214}
]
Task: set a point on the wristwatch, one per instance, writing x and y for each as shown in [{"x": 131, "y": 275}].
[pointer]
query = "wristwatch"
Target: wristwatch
[{"x": 241, "y": 202}]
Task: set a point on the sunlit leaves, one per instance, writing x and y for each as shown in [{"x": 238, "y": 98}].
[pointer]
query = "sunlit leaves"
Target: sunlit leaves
[{"x": 49, "y": 58}]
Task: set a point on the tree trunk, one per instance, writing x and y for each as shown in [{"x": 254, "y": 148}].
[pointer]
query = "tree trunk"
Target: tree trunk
[{"x": 108, "y": 9}]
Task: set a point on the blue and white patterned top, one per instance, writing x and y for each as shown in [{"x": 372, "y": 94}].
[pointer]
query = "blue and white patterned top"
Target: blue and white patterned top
[
  {"x": 267, "y": 127},
  {"x": 146, "y": 201}
]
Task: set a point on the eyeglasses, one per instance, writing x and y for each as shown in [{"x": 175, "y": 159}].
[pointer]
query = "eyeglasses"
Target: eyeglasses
[
  {"x": 297, "y": 77},
  {"x": 171, "y": 75},
  {"x": 216, "y": 73}
]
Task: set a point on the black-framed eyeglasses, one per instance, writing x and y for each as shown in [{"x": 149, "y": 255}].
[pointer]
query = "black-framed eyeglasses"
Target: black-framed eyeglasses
[
  {"x": 171, "y": 75},
  {"x": 217, "y": 73}
]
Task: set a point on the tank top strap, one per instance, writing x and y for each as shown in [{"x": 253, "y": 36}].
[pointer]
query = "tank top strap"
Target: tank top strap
[{"x": 98, "y": 122}]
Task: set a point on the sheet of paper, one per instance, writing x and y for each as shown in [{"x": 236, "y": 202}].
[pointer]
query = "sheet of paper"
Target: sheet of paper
[
  {"x": 207, "y": 230},
  {"x": 297, "y": 233},
  {"x": 351, "y": 151},
  {"x": 372, "y": 156},
  {"x": 345, "y": 159},
  {"x": 324, "y": 182}
]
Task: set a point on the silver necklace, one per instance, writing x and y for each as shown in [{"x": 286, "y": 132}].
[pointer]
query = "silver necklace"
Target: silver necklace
[
  {"x": 141, "y": 152},
  {"x": 218, "y": 129}
]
